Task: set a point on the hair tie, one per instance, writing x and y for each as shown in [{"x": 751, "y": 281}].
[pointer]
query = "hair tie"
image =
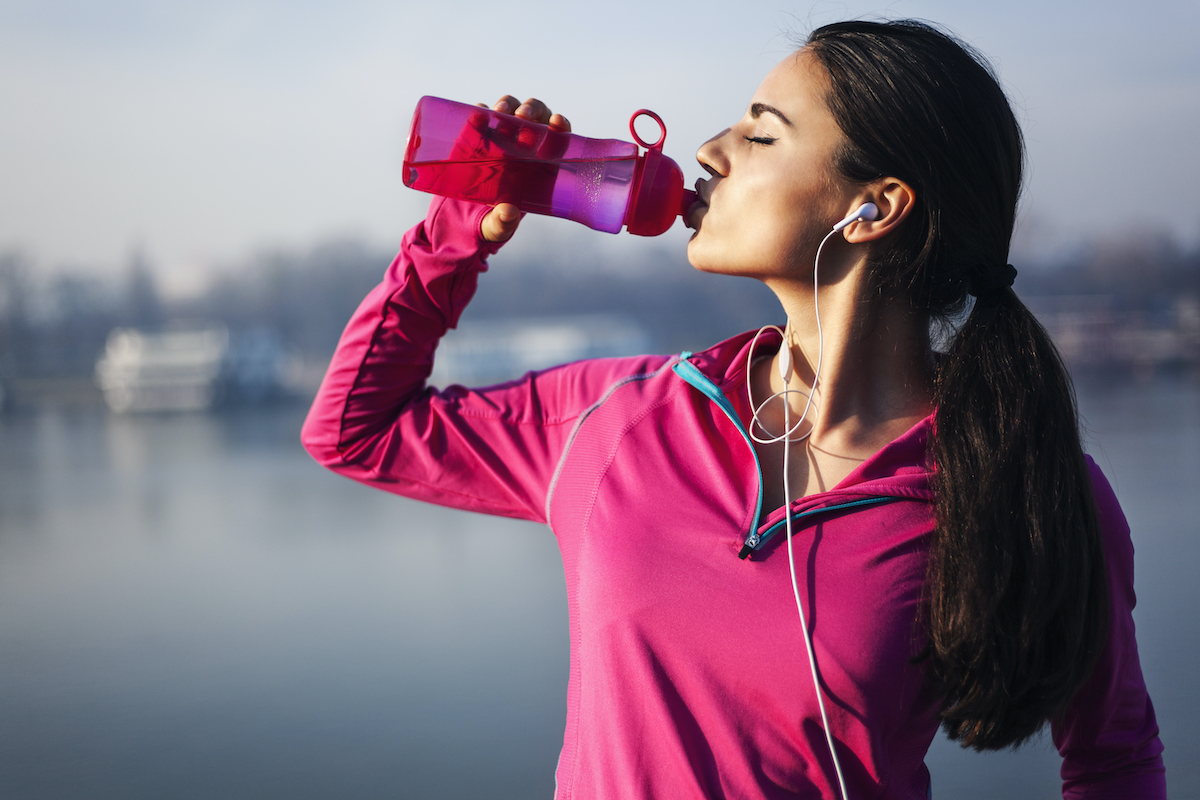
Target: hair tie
[{"x": 994, "y": 280}]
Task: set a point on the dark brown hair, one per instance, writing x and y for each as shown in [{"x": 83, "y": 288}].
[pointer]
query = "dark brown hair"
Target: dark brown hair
[{"x": 1017, "y": 589}]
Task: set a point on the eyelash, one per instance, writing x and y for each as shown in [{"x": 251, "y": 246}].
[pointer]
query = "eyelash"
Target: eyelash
[{"x": 759, "y": 139}]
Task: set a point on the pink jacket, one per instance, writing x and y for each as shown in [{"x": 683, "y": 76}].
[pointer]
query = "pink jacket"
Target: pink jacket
[{"x": 688, "y": 670}]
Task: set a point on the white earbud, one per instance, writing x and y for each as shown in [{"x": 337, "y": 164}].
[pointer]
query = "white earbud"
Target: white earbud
[{"x": 867, "y": 211}]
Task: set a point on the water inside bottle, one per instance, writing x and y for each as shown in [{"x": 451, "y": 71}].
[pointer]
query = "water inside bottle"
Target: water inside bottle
[{"x": 594, "y": 191}]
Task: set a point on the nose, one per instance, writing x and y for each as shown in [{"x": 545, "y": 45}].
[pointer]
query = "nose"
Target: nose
[{"x": 712, "y": 156}]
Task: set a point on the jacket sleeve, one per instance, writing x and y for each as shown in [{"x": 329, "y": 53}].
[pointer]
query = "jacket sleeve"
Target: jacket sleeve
[
  {"x": 374, "y": 420},
  {"x": 1109, "y": 736}
]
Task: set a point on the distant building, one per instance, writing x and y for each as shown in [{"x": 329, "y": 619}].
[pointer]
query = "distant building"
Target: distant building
[
  {"x": 1093, "y": 332},
  {"x": 486, "y": 352}
]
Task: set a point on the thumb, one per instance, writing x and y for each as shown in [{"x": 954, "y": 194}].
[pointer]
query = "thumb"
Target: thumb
[{"x": 500, "y": 223}]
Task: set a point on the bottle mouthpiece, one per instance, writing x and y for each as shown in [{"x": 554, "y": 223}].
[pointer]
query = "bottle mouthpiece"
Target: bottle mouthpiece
[{"x": 685, "y": 204}]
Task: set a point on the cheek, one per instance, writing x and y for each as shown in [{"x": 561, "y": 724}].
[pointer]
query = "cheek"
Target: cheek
[
  {"x": 774, "y": 226},
  {"x": 761, "y": 225},
  {"x": 756, "y": 241}
]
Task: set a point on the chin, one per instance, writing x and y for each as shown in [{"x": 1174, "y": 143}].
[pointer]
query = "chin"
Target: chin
[
  {"x": 703, "y": 259},
  {"x": 697, "y": 258}
]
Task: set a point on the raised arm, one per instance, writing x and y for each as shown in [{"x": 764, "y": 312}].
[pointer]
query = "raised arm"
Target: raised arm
[{"x": 374, "y": 419}]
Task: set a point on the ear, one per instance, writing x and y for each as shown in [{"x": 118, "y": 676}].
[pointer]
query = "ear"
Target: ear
[{"x": 895, "y": 200}]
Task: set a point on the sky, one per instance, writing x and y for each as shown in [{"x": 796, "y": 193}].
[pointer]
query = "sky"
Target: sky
[{"x": 198, "y": 133}]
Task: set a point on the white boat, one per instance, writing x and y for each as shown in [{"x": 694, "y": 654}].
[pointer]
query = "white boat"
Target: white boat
[{"x": 174, "y": 371}]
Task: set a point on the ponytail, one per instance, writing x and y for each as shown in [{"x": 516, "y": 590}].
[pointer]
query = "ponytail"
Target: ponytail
[
  {"x": 1017, "y": 586},
  {"x": 1018, "y": 593}
]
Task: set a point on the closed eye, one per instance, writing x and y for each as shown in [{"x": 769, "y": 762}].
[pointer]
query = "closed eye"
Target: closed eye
[{"x": 760, "y": 139}]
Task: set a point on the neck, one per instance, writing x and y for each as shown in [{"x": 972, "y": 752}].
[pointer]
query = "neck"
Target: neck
[{"x": 876, "y": 377}]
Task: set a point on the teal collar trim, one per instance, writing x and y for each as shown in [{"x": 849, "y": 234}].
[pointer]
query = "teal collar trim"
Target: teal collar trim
[
  {"x": 688, "y": 371},
  {"x": 755, "y": 540}
]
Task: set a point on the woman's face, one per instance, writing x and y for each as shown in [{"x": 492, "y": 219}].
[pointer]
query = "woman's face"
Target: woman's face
[{"x": 773, "y": 190}]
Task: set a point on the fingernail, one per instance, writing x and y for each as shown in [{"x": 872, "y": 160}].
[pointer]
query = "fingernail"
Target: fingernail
[{"x": 525, "y": 110}]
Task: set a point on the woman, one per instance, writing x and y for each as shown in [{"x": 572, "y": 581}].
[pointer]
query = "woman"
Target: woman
[{"x": 957, "y": 559}]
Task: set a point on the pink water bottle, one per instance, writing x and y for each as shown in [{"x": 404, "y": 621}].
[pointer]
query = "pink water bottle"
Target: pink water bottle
[{"x": 473, "y": 153}]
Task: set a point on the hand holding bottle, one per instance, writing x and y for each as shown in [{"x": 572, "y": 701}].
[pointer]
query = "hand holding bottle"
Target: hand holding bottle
[{"x": 501, "y": 222}]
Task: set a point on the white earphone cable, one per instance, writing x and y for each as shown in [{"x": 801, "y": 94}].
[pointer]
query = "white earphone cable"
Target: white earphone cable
[
  {"x": 785, "y": 437},
  {"x": 755, "y": 410}
]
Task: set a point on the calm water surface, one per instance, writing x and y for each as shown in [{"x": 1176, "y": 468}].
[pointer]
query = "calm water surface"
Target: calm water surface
[{"x": 190, "y": 608}]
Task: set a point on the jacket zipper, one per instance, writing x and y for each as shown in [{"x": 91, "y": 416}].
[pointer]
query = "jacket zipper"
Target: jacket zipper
[{"x": 755, "y": 540}]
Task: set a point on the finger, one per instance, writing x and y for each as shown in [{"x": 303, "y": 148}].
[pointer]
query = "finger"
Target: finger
[
  {"x": 506, "y": 105},
  {"x": 500, "y": 223},
  {"x": 534, "y": 109},
  {"x": 560, "y": 123}
]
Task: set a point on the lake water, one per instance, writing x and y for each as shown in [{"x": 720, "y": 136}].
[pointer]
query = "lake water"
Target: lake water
[{"x": 191, "y": 608}]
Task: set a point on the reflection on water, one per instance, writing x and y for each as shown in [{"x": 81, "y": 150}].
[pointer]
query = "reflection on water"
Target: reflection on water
[{"x": 189, "y": 607}]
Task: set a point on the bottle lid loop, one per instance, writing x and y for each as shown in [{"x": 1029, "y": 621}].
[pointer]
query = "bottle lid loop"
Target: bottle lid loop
[{"x": 658, "y": 145}]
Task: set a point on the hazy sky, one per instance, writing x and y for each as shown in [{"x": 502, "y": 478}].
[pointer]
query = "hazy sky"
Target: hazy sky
[{"x": 203, "y": 131}]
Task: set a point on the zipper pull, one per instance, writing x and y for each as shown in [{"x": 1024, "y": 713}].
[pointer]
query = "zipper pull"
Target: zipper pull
[{"x": 748, "y": 546}]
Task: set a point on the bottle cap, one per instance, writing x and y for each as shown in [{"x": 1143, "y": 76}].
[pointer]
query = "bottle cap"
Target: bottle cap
[{"x": 658, "y": 196}]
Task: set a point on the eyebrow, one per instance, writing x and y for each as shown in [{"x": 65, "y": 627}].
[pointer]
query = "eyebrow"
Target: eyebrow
[{"x": 758, "y": 109}]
